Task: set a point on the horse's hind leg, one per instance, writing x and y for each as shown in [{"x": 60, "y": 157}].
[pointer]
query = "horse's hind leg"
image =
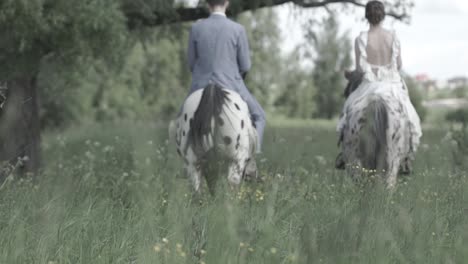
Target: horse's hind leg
[
  {"x": 192, "y": 165},
  {"x": 250, "y": 171},
  {"x": 394, "y": 151},
  {"x": 210, "y": 170},
  {"x": 194, "y": 174},
  {"x": 392, "y": 168},
  {"x": 392, "y": 175},
  {"x": 236, "y": 169}
]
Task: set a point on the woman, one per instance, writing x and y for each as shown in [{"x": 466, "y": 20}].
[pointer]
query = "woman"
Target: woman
[{"x": 378, "y": 58}]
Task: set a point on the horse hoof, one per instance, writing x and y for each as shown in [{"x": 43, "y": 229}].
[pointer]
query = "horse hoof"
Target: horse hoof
[
  {"x": 339, "y": 162},
  {"x": 251, "y": 172}
]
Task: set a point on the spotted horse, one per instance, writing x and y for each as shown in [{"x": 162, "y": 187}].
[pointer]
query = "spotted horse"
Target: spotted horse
[
  {"x": 215, "y": 120},
  {"x": 376, "y": 137}
]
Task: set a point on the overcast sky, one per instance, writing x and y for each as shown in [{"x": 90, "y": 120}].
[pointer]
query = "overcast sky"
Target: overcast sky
[{"x": 435, "y": 43}]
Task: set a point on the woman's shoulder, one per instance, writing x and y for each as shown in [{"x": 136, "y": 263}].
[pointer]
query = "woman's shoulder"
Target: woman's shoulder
[
  {"x": 391, "y": 32},
  {"x": 362, "y": 36}
]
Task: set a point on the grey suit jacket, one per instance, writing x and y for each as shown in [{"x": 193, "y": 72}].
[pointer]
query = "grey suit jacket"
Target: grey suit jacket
[{"x": 218, "y": 52}]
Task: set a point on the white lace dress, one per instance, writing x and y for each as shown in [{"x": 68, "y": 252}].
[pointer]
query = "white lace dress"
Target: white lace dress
[{"x": 386, "y": 81}]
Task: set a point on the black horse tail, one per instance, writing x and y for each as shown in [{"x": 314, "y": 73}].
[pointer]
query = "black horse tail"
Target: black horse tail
[
  {"x": 380, "y": 128},
  {"x": 377, "y": 115},
  {"x": 202, "y": 127}
]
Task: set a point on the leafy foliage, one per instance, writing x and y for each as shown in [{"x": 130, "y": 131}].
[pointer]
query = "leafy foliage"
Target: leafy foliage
[
  {"x": 267, "y": 69},
  {"x": 34, "y": 29},
  {"x": 333, "y": 56},
  {"x": 416, "y": 97},
  {"x": 458, "y": 136},
  {"x": 90, "y": 67},
  {"x": 296, "y": 94},
  {"x": 458, "y": 116}
]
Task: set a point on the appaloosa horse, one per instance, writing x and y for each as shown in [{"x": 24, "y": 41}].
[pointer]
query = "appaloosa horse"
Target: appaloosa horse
[
  {"x": 217, "y": 120},
  {"x": 375, "y": 139}
]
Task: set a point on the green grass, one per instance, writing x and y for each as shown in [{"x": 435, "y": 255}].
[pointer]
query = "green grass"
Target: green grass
[{"x": 117, "y": 194}]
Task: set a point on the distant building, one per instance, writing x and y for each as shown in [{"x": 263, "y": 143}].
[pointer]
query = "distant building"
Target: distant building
[
  {"x": 426, "y": 83},
  {"x": 457, "y": 82}
]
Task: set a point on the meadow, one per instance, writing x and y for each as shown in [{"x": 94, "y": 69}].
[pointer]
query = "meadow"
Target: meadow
[{"x": 116, "y": 193}]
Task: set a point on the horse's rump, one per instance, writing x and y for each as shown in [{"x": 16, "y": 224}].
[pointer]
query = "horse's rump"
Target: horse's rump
[
  {"x": 206, "y": 117},
  {"x": 215, "y": 121},
  {"x": 376, "y": 135}
]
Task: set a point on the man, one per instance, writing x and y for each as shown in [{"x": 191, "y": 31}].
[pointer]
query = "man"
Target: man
[{"x": 218, "y": 52}]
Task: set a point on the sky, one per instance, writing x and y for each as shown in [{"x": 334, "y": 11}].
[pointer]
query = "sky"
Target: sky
[{"x": 434, "y": 43}]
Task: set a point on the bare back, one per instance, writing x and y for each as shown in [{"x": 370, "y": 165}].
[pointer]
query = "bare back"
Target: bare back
[
  {"x": 379, "y": 47},
  {"x": 378, "y": 50}
]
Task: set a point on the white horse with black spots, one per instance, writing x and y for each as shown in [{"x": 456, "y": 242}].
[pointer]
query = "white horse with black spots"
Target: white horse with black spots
[
  {"x": 376, "y": 136},
  {"x": 216, "y": 120}
]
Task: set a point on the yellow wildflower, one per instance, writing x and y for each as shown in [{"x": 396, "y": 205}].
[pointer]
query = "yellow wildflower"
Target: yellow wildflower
[{"x": 157, "y": 248}]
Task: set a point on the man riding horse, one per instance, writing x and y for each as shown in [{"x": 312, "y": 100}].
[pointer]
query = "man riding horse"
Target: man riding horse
[{"x": 218, "y": 53}]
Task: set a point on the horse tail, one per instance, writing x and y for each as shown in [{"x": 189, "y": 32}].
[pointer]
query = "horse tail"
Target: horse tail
[
  {"x": 201, "y": 134},
  {"x": 380, "y": 128},
  {"x": 377, "y": 141}
]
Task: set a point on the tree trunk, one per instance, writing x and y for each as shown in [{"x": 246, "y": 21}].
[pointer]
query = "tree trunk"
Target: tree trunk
[{"x": 19, "y": 125}]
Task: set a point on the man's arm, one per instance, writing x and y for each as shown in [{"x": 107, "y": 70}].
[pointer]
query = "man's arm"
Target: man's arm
[
  {"x": 243, "y": 53},
  {"x": 191, "y": 51}
]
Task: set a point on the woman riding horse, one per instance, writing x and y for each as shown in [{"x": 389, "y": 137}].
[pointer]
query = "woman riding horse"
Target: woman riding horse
[{"x": 378, "y": 61}]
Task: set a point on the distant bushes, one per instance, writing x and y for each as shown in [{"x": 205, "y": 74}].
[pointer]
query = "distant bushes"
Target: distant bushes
[
  {"x": 459, "y": 136},
  {"x": 416, "y": 97},
  {"x": 458, "y": 116}
]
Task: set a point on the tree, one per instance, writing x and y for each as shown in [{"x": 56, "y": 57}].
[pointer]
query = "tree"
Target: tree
[
  {"x": 36, "y": 31},
  {"x": 296, "y": 93},
  {"x": 416, "y": 96},
  {"x": 264, "y": 39},
  {"x": 333, "y": 56},
  {"x": 163, "y": 11}
]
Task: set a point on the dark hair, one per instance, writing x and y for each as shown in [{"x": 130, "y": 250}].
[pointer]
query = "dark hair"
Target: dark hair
[
  {"x": 216, "y": 2},
  {"x": 375, "y": 12}
]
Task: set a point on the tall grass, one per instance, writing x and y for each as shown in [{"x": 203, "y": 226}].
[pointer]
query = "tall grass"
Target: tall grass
[{"x": 117, "y": 194}]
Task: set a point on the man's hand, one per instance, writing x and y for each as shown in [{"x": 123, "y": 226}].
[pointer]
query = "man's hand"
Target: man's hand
[
  {"x": 244, "y": 75},
  {"x": 347, "y": 74}
]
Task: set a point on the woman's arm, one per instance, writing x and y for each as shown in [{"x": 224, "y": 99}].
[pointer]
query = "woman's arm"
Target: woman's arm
[
  {"x": 399, "y": 62},
  {"x": 398, "y": 47}
]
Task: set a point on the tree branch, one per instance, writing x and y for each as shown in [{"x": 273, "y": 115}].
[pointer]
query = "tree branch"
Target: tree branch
[
  {"x": 137, "y": 18},
  {"x": 402, "y": 16}
]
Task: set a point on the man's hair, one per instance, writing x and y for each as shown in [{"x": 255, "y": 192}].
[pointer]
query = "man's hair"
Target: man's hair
[
  {"x": 375, "y": 12},
  {"x": 216, "y": 2}
]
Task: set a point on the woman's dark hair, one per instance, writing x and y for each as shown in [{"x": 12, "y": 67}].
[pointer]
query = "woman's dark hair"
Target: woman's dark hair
[
  {"x": 375, "y": 12},
  {"x": 216, "y": 2}
]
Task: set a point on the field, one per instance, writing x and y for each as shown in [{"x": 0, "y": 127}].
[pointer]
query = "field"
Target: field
[{"x": 117, "y": 194}]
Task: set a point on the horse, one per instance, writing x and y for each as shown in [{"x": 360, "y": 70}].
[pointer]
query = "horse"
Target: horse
[
  {"x": 376, "y": 139},
  {"x": 215, "y": 120}
]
